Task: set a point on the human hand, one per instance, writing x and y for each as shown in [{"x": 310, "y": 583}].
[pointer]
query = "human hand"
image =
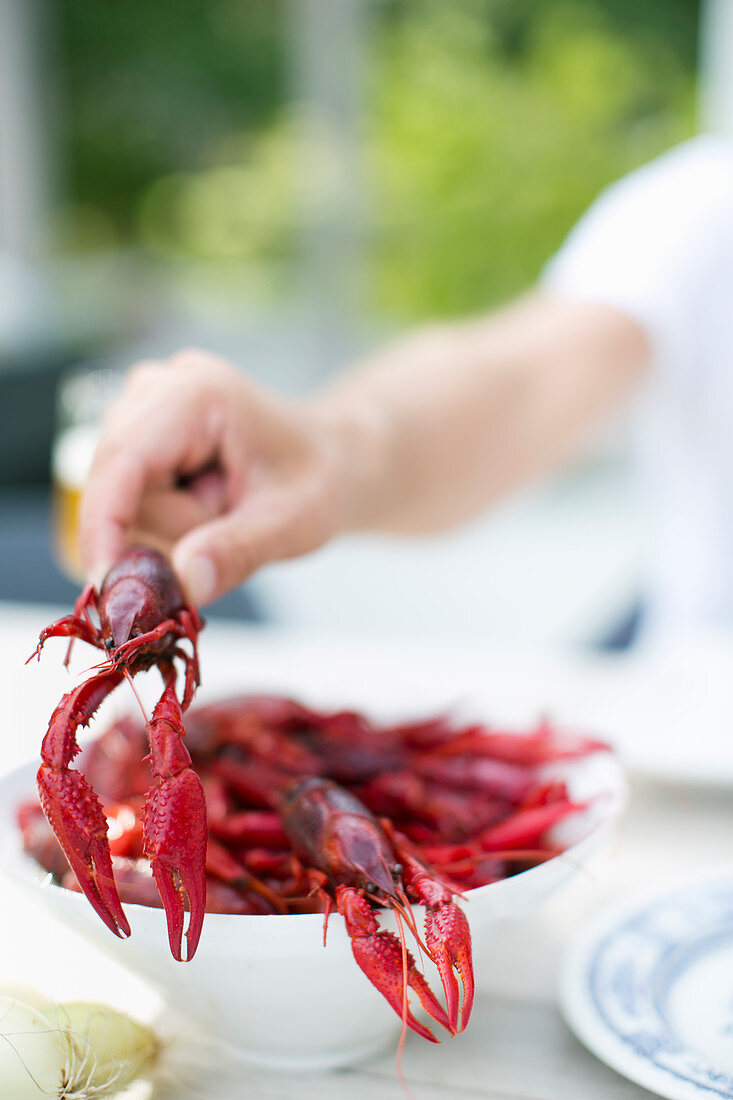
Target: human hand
[{"x": 222, "y": 475}]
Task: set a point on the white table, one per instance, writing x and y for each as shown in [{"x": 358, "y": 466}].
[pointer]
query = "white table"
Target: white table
[{"x": 516, "y": 1047}]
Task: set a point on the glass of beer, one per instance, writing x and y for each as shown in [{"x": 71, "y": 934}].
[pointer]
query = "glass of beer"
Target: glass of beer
[{"x": 82, "y": 397}]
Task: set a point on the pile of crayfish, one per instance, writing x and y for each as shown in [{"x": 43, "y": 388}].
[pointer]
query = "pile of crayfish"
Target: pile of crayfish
[{"x": 272, "y": 807}]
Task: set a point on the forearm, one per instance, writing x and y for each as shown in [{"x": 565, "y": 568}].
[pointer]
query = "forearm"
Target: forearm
[{"x": 444, "y": 423}]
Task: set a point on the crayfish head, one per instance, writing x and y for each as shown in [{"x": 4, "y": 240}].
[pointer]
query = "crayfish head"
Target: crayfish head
[
  {"x": 127, "y": 608},
  {"x": 358, "y": 854},
  {"x": 330, "y": 829},
  {"x": 139, "y": 592}
]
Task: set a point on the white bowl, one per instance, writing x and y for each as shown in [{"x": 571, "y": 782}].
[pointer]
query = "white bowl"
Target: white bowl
[{"x": 265, "y": 984}]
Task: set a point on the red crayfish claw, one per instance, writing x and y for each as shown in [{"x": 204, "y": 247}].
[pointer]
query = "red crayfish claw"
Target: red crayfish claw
[
  {"x": 387, "y": 963},
  {"x": 448, "y": 940},
  {"x": 447, "y": 934},
  {"x": 174, "y": 824},
  {"x": 71, "y": 806},
  {"x": 77, "y": 818}
]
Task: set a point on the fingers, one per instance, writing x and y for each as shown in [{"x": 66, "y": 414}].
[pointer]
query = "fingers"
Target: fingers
[
  {"x": 165, "y": 516},
  {"x": 222, "y": 554},
  {"x": 170, "y": 513},
  {"x": 195, "y": 455},
  {"x": 164, "y": 425},
  {"x": 109, "y": 507}
]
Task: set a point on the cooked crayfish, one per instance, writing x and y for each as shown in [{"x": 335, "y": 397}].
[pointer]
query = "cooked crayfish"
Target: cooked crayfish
[
  {"x": 143, "y": 617},
  {"x": 332, "y": 831}
]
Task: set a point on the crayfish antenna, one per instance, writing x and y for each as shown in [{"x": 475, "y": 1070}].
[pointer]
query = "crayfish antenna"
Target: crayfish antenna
[
  {"x": 136, "y": 693},
  {"x": 405, "y": 1009},
  {"x": 404, "y": 910}
]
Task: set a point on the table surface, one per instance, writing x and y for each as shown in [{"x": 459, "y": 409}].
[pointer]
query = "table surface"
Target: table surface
[{"x": 516, "y": 1047}]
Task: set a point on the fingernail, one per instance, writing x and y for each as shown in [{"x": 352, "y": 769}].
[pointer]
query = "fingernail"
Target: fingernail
[{"x": 199, "y": 577}]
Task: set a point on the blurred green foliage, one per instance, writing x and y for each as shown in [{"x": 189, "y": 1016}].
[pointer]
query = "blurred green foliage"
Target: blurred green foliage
[
  {"x": 489, "y": 127},
  {"x": 496, "y": 123},
  {"x": 157, "y": 87}
]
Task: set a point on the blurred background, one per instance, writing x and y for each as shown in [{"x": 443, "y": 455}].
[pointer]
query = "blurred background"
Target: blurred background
[{"x": 289, "y": 183}]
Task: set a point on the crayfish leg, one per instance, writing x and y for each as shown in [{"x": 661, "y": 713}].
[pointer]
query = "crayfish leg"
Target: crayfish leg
[
  {"x": 191, "y": 674},
  {"x": 77, "y": 625},
  {"x": 192, "y": 624}
]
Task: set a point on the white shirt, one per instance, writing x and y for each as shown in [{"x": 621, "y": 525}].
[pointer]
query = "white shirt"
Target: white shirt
[{"x": 658, "y": 245}]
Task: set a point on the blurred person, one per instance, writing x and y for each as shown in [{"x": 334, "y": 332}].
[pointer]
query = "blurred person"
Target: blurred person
[{"x": 226, "y": 475}]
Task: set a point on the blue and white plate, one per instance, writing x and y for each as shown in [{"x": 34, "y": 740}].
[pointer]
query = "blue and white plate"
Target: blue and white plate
[{"x": 648, "y": 988}]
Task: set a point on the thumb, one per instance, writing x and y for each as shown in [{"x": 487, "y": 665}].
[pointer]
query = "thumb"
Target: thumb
[{"x": 223, "y": 553}]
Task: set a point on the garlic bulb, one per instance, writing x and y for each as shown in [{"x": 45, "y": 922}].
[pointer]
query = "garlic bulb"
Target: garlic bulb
[{"x": 74, "y": 1051}]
